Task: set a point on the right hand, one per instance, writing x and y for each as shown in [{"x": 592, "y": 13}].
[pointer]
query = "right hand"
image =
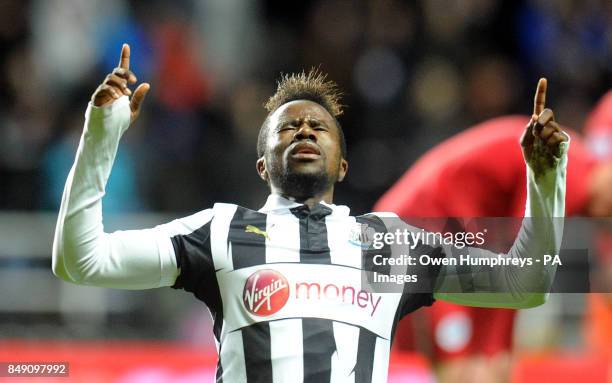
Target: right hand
[{"x": 116, "y": 83}]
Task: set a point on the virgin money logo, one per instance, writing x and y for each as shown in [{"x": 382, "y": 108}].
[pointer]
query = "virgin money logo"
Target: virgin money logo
[{"x": 265, "y": 292}]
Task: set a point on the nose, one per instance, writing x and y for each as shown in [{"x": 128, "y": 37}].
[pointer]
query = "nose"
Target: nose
[{"x": 306, "y": 131}]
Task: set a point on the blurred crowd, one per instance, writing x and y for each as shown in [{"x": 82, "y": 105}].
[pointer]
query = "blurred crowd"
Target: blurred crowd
[{"x": 413, "y": 73}]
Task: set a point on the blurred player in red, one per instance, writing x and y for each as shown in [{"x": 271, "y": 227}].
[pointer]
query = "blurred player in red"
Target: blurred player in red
[
  {"x": 471, "y": 344},
  {"x": 598, "y": 133}
]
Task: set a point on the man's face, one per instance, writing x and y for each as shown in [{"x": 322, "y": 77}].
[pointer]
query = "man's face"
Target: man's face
[{"x": 303, "y": 152}]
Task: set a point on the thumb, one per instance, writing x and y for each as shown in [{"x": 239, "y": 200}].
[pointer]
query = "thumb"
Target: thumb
[
  {"x": 528, "y": 138},
  {"x": 138, "y": 97}
]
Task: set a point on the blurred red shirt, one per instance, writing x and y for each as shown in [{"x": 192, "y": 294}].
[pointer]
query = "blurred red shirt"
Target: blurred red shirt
[{"x": 477, "y": 173}]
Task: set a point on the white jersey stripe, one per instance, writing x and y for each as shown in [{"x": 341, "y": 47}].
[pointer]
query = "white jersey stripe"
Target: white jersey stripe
[
  {"x": 232, "y": 358},
  {"x": 343, "y": 249},
  {"x": 381, "y": 360},
  {"x": 219, "y": 230},
  {"x": 345, "y": 357},
  {"x": 283, "y": 237},
  {"x": 287, "y": 350}
]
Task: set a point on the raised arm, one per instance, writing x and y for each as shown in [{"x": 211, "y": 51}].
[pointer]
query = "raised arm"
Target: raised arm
[
  {"x": 82, "y": 252},
  {"x": 545, "y": 148}
]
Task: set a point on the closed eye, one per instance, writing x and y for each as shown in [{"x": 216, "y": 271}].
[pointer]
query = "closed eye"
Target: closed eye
[{"x": 287, "y": 126}]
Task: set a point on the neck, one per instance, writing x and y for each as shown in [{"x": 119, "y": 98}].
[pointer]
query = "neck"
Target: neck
[{"x": 326, "y": 196}]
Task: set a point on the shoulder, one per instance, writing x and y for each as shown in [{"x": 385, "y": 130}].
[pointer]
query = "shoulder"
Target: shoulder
[
  {"x": 187, "y": 224},
  {"x": 380, "y": 221},
  {"x": 190, "y": 223}
]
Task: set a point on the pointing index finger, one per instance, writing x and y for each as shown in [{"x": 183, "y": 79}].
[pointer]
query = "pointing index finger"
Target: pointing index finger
[
  {"x": 540, "y": 97},
  {"x": 124, "y": 61}
]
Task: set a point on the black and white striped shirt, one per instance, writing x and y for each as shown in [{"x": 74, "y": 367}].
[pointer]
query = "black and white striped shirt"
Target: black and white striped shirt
[{"x": 284, "y": 287}]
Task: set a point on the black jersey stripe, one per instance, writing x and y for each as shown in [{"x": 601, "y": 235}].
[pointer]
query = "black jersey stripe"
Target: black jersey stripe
[
  {"x": 194, "y": 259},
  {"x": 257, "y": 352},
  {"x": 219, "y": 374},
  {"x": 314, "y": 248},
  {"x": 247, "y": 237},
  {"x": 366, "y": 348},
  {"x": 319, "y": 345},
  {"x": 217, "y": 328}
]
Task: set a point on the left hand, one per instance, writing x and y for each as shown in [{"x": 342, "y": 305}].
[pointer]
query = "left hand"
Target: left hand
[{"x": 542, "y": 137}]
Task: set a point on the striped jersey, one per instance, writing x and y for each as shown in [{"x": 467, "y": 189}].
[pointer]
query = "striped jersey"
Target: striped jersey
[{"x": 283, "y": 285}]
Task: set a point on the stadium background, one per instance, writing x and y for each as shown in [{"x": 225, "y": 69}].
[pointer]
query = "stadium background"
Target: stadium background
[{"x": 413, "y": 74}]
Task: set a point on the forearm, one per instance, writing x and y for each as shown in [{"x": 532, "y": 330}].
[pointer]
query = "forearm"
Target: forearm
[
  {"x": 540, "y": 234},
  {"x": 82, "y": 252}
]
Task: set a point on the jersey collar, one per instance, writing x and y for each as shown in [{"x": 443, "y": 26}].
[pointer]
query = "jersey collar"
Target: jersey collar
[{"x": 279, "y": 205}]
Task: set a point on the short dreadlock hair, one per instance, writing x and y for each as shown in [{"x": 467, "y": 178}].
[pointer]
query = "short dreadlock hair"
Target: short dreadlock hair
[{"x": 312, "y": 86}]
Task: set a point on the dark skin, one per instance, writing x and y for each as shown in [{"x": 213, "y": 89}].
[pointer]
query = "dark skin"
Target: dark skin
[
  {"x": 542, "y": 136},
  {"x": 115, "y": 85},
  {"x": 304, "y": 121},
  {"x": 304, "y": 139}
]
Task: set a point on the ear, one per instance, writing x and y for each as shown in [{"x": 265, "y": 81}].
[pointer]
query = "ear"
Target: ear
[
  {"x": 343, "y": 170},
  {"x": 260, "y": 165}
]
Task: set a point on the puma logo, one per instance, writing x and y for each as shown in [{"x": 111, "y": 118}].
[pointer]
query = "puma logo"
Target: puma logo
[{"x": 256, "y": 230}]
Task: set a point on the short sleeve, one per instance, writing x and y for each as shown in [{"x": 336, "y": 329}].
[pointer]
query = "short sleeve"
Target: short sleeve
[
  {"x": 414, "y": 294},
  {"x": 190, "y": 242}
]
